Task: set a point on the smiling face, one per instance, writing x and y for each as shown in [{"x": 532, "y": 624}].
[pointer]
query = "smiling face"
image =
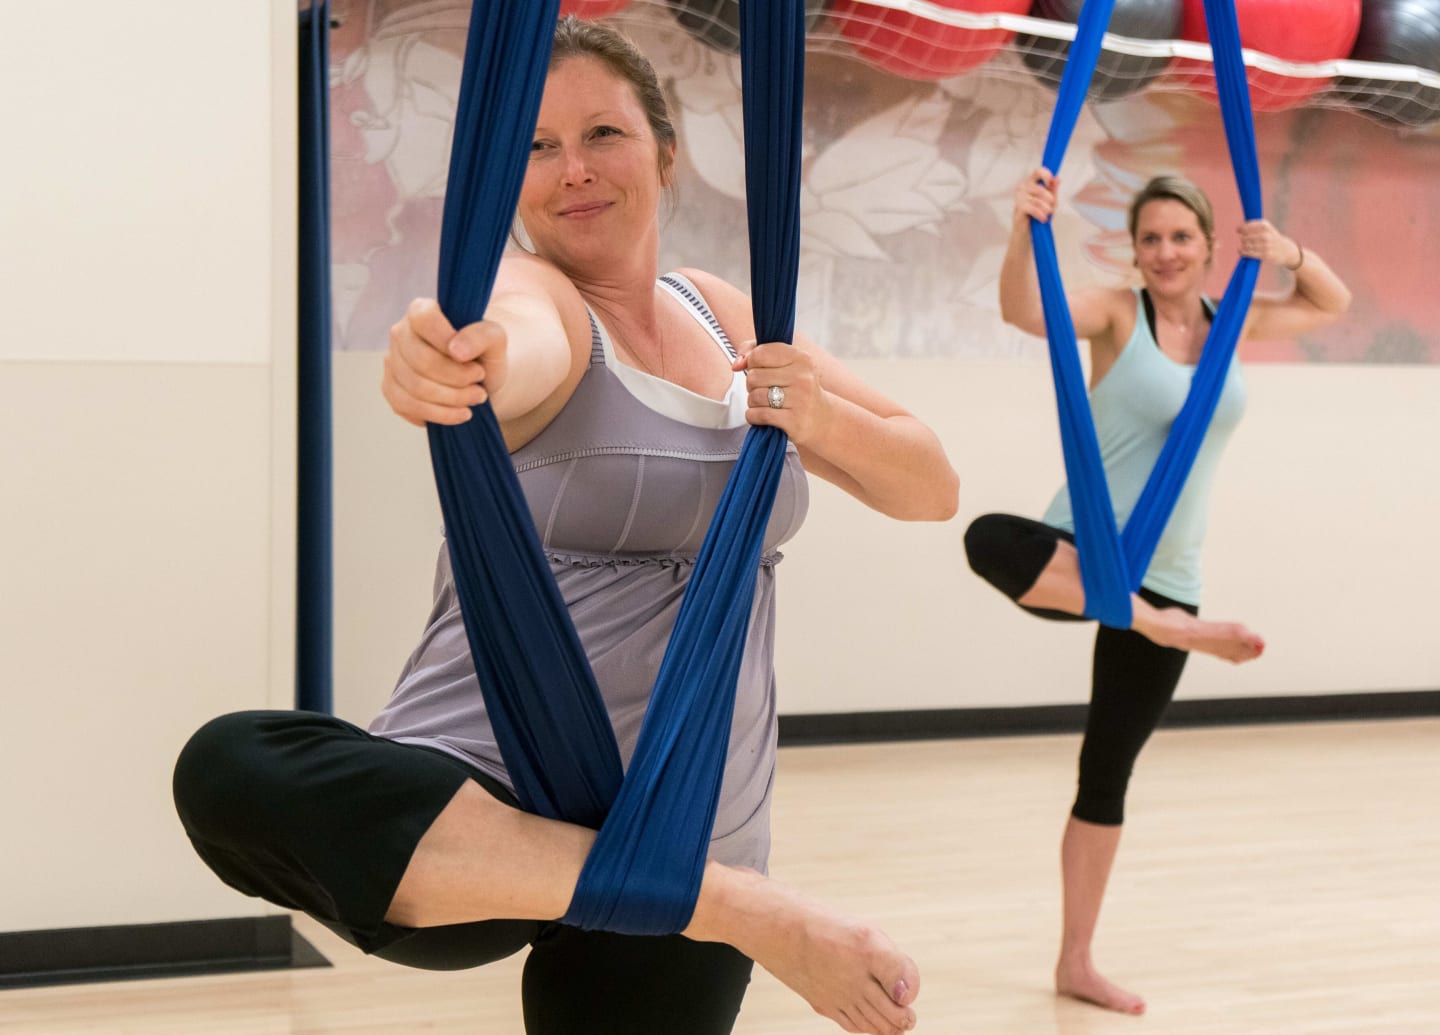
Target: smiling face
[
  {"x": 1171, "y": 250},
  {"x": 592, "y": 189}
]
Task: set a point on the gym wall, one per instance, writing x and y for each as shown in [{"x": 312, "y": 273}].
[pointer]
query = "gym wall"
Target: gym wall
[{"x": 147, "y": 366}]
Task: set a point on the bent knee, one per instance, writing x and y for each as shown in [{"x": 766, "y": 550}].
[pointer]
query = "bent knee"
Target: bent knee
[
  {"x": 986, "y": 540},
  {"x": 222, "y": 773},
  {"x": 1008, "y": 552}
]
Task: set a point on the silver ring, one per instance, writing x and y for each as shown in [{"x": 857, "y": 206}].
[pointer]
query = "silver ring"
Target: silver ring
[{"x": 777, "y": 397}]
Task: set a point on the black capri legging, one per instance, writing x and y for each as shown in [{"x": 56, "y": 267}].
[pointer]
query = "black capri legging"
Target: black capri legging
[
  {"x": 1132, "y": 678},
  {"x": 314, "y": 814}
]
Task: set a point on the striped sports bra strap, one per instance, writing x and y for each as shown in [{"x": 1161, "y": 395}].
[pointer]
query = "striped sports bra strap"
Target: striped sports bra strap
[
  {"x": 597, "y": 341},
  {"x": 689, "y": 295}
]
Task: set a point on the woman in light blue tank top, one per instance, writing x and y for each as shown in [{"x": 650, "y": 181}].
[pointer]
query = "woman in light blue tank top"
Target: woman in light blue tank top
[
  {"x": 624, "y": 404},
  {"x": 1144, "y": 344}
]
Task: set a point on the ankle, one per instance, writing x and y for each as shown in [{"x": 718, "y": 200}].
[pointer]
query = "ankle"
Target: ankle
[{"x": 726, "y": 906}]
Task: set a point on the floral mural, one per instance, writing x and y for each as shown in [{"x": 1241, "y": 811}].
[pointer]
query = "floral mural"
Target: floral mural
[{"x": 907, "y": 189}]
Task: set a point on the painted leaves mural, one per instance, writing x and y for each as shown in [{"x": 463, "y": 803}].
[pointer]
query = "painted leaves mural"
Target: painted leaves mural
[{"x": 906, "y": 192}]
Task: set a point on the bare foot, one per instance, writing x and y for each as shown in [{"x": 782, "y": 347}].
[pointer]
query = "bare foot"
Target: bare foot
[
  {"x": 1172, "y": 627},
  {"x": 847, "y": 971},
  {"x": 1080, "y": 980}
]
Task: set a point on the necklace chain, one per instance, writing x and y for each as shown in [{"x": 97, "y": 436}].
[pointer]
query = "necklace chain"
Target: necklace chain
[
  {"x": 648, "y": 368},
  {"x": 660, "y": 339}
]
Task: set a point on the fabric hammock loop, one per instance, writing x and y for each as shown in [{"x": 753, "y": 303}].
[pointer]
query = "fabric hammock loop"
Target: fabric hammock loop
[
  {"x": 685, "y": 735},
  {"x": 1112, "y": 563}
]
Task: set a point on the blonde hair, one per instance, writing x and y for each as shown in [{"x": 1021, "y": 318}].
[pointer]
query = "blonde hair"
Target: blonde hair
[
  {"x": 575, "y": 37},
  {"x": 1175, "y": 188}
]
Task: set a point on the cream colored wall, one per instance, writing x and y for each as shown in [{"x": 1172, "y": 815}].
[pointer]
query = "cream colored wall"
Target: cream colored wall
[
  {"x": 387, "y": 529},
  {"x": 1319, "y": 538},
  {"x": 146, "y": 527}
]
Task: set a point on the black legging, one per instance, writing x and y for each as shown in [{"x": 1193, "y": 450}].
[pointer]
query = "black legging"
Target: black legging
[
  {"x": 1132, "y": 677},
  {"x": 314, "y": 814}
]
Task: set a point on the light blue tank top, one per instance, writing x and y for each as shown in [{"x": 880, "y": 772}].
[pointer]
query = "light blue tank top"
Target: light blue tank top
[{"x": 1134, "y": 406}]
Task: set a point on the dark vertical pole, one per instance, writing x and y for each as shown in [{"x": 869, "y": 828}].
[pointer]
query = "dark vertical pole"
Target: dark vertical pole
[{"x": 314, "y": 581}]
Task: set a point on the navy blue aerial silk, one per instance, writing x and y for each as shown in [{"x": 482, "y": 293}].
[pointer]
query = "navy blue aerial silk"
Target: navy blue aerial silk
[
  {"x": 542, "y": 699},
  {"x": 643, "y": 874},
  {"x": 314, "y": 575},
  {"x": 1112, "y": 563}
]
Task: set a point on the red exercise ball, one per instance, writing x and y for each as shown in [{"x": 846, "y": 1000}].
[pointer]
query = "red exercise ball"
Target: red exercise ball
[
  {"x": 917, "y": 48},
  {"x": 1300, "y": 31},
  {"x": 591, "y": 9}
]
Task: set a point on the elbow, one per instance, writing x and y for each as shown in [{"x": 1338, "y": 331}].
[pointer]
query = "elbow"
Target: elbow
[
  {"x": 940, "y": 504},
  {"x": 949, "y": 502},
  {"x": 1030, "y": 323},
  {"x": 1338, "y": 306}
]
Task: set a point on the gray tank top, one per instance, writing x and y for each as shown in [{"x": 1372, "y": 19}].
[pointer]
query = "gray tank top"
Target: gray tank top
[{"x": 622, "y": 496}]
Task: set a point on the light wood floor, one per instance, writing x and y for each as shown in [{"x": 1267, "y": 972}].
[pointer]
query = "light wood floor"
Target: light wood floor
[{"x": 1278, "y": 880}]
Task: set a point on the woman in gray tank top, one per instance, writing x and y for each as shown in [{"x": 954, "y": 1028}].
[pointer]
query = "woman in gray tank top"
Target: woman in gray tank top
[
  {"x": 624, "y": 404},
  {"x": 1143, "y": 347}
]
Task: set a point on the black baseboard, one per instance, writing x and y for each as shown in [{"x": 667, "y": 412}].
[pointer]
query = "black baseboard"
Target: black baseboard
[
  {"x": 130, "y": 951},
  {"x": 953, "y": 723}
]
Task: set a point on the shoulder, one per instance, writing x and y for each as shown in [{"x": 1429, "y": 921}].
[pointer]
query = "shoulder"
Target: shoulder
[
  {"x": 522, "y": 273},
  {"x": 710, "y": 284},
  {"x": 730, "y": 305},
  {"x": 1113, "y": 300},
  {"x": 1104, "y": 315}
]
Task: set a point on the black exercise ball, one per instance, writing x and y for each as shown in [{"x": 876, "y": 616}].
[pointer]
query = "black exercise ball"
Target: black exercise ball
[
  {"x": 1116, "y": 75},
  {"x": 1397, "y": 32},
  {"x": 716, "y": 23}
]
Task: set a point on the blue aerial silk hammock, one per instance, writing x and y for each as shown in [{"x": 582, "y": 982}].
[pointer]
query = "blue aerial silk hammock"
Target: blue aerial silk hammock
[
  {"x": 1112, "y": 563},
  {"x": 643, "y": 873}
]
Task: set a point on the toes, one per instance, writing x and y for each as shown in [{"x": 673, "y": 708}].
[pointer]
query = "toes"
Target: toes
[
  {"x": 1092, "y": 988},
  {"x": 894, "y": 987},
  {"x": 894, "y": 971},
  {"x": 884, "y": 1012},
  {"x": 906, "y": 986},
  {"x": 878, "y": 1021}
]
